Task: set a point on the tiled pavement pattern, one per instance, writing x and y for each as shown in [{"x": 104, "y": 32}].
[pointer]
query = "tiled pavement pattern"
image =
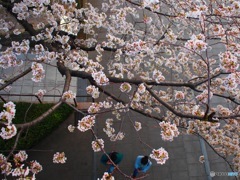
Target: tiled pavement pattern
[
  {"x": 53, "y": 83},
  {"x": 84, "y": 164}
]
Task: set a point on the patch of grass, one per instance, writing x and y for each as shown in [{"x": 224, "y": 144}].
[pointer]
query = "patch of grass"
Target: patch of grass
[{"x": 26, "y": 112}]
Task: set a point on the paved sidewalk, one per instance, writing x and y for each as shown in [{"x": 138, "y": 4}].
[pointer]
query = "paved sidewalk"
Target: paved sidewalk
[
  {"x": 77, "y": 149},
  {"x": 53, "y": 83},
  {"x": 84, "y": 164}
]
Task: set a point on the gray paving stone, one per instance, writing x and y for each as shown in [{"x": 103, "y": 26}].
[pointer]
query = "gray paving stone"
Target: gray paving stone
[
  {"x": 193, "y": 157},
  {"x": 180, "y": 175},
  {"x": 196, "y": 169},
  {"x": 218, "y": 167},
  {"x": 178, "y": 165},
  {"x": 190, "y": 138},
  {"x": 162, "y": 172},
  {"x": 174, "y": 144},
  {"x": 177, "y": 152},
  {"x": 223, "y": 178},
  {"x": 198, "y": 178},
  {"x": 192, "y": 146}
]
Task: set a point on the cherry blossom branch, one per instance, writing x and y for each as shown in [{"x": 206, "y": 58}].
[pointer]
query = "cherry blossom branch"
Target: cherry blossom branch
[
  {"x": 7, "y": 41},
  {"x": 40, "y": 118},
  {"x": 52, "y": 109},
  {"x": 76, "y": 109},
  {"x": 170, "y": 108},
  {"x": 147, "y": 8},
  {"x": 94, "y": 48},
  {"x": 88, "y": 76},
  {"x": 84, "y": 75},
  {"x": 67, "y": 81},
  {"x": 200, "y": 136},
  {"x": 15, "y": 144},
  {"x": 119, "y": 100},
  {"x": 107, "y": 111},
  {"x": 224, "y": 158},
  {"x": 16, "y": 78},
  {"x": 210, "y": 77},
  {"x": 200, "y": 82},
  {"x": 27, "y": 26},
  {"x": 139, "y": 138}
]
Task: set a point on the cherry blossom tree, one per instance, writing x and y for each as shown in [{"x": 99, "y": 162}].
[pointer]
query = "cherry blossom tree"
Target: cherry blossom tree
[{"x": 174, "y": 61}]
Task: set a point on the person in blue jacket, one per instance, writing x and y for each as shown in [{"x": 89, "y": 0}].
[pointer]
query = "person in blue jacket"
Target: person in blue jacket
[
  {"x": 142, "y": 164},
  {"x": 115, "y": 157}
]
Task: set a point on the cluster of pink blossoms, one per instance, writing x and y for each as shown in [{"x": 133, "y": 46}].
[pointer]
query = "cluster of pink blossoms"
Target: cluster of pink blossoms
[
  {"x": 69, "y": 95},
  {"x": 21, "y": 48},
  {"x": 86, "y": 123},
  {"x": 40, "y": 93},
  {"x": 137, "y": 126},
  {"x": 197, "y": 11},
  {"x": 95, "y": 107},
  {"x": 20, "y": 156},
  {"x": 125, "y": 87},
  {"x": 179, "y": 95},
  {"x": 196, "y": 43},
  {"x": 38, "y": 72},
  {"x": 6, "y": 116},
  {"x": 133, "y": 48},
  {"x": 100, "y": 78},
  {"x": 201, "y": 159},
  {"x": 25, "y": 9},
  {"x": 232, "y": 81},
  {"x": 169, "y": 131},
  {"x": 157, "y": 76},
  {"x": 108, "y": 129},
  {"x": 107, "y": 176},
  {"x": 228, "y": 61},
  {"x": 160, "y": 155},
  {"x": 93, "y": 91},
  {"x": 9, "y": 59},
  {"x": 141, "y": 88},
  {"x": 8, "y": 131},
  {"x": 234, "y": 78},
  {"x": 6, "y": 167},
  {"x": 224, "y": 111},
  {"x": 152, "y": 4},
  {"x": 196, "y": 110},
  {"x": 20, "y": 170},
  {"x": 203, "y": 97},
  {"x": 218, "y": 30},
  {"x": 71, "y": 128},
  {"x": 119, "y": 136},
  {"x": 97, "y": 145},
  {"x": 6, "y": 26},
  {"x": 59, "y": 158},
  {"x": 171, "y": 37},
  {"x": 228, "y": 10},
  {"x": 224, "y": 138}
]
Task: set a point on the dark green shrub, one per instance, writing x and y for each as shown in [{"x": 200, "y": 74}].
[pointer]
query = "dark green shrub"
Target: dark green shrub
[{"x": 26, "y": 112}]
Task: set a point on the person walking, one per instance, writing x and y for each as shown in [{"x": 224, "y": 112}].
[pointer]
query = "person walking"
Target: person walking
[
  {"x": 142, "y": 164},
  {"x": 115, "y": 157}
]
